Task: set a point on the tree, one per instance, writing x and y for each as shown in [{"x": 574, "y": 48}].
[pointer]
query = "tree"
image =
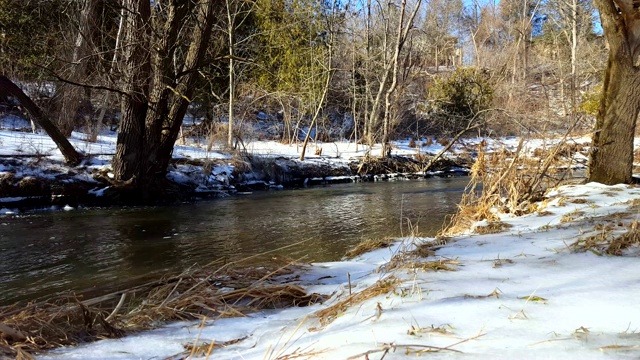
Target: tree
[
  {"x": 159, "y": 71},
  {"x": 238, "y": 13},
  {"x": 8, "y": 88},
  {"x": 611, "y": 159},
  {"x": 441, "y": 19},
  {"x": 71, "y": 95}
]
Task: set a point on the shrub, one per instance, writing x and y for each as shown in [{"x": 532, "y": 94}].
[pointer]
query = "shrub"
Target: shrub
[
  {"x": 591, "y": 101},
  {"x": 461, "y": 97}
]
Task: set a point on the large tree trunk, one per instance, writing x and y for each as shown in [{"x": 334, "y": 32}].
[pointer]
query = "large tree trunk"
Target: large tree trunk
[
  {"x": 612, "y": 153},
  {"x": 8, "y": 88},
  {"x": 129, "y": 163},
  {"x": 163, "y": 80}
]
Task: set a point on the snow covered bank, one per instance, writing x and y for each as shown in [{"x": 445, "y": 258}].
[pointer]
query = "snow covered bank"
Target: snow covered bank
[
  {"x": 32, "y": 172},
  {"x": 544, "y": 287}
]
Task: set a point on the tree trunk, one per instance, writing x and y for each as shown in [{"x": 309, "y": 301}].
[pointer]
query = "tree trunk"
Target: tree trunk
[
  {"x": 612, "y": 153},
  {"x": 184, "y": 88},
  {"x": 129, "y": 161},
  {"x": 612, "y": 145},
  {"x": 72, "y": 95},
  {"x": 402, "y": 35},
  {"x": 8, "y": 88},
  {"x": 232, "y": 81},
  {"x": 162, "y": 83}
]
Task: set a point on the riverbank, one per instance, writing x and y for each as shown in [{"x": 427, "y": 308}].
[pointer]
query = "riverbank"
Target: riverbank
[
  {"x": 560, "y": 282},
  {"x": 33, "y": 175}
]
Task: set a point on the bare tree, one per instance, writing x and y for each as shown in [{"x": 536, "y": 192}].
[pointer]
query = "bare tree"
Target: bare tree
[{"x": 390, "y": 72}]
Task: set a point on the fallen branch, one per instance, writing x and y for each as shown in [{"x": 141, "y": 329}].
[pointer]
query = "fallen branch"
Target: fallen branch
[{"x": 15, "y": 334}]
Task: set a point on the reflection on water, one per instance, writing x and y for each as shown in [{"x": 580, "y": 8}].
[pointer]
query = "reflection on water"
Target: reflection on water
[{"x": 45, "y": 253}]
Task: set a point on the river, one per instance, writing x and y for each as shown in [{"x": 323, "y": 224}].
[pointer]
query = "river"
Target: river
[{"x": 54, "y": 251}]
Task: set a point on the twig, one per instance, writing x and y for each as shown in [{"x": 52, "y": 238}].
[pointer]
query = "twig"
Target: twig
[
  {"x": 117, "y": 308},
  {"x": 171, "y": 293},
  {"x": 15, "y": 334}
]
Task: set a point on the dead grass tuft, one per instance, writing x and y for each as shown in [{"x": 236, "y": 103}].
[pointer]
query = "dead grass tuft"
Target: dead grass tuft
[
  {"x": 493, "y": 227},
  {"x": 369, "y": 245},
  {"x": 610, "y": 238},
  {"x": 634, "y": 204},
  {"x": 579, "y": 201},
  {"x": 437, "y": 265},
  {"x": 410, "y": 259},
  {"x": 572, "y": 216},
  {"x": 381, "y": 287}
]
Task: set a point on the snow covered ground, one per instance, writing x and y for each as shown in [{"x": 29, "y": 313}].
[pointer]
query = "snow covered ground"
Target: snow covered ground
[
  {"x": 39, "y": 156},
  {"x": 523, "y": 293}
]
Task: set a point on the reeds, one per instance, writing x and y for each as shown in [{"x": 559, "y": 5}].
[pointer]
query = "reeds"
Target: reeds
[
  {"x": 194, "y": 294},
  {"x": 510, "y": 182}
]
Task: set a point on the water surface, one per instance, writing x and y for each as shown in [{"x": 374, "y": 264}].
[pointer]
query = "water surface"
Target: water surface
[{"x": 49, "y": 252}]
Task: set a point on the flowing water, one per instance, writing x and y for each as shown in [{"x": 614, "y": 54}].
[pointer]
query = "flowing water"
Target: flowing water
[{"x": 49, "y": 252}]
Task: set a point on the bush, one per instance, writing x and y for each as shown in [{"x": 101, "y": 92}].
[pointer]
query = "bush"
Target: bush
[
  {"x": 456, "y": 100},
  {"x": 590, "y": 103}
]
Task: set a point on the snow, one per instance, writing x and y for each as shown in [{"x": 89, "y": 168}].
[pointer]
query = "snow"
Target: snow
[{"x": 522, "y": 293}]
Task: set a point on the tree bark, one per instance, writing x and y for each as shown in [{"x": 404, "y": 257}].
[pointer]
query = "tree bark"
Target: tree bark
[
  {"x": 162, "y": 81},
  {"x": 73, "y": 95},
  {"x": 612, "y": 144},
  {"x": 8, "y": 88},
  {"x": 129, "y": 161},
  {"x": 184, "y": 88}
]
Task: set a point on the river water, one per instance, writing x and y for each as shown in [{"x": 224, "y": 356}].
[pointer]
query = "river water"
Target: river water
[{"x": 49, "y": 252}]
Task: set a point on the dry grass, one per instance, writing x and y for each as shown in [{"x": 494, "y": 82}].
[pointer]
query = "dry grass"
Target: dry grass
[
  {"x": 369, "y": 245},
  {"x": 579, "y": 201},
  {"x": 610, "y": 238},
  {"x": 381, "y": 287},
  {"x": 69, "y": 320},
  {"x": 436, "y": 265},
  {"x": 415, "y": 258},
  {"x": 493, "y": 227},
  {"x": 509, "y": 182},
  {"x": 572, "y": 216}
]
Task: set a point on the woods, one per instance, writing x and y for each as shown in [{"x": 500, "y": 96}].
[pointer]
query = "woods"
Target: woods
[{"x": 301, "y": 71}]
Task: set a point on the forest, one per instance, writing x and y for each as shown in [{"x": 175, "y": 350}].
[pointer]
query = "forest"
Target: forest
[
  {"x": 298, "y": 71},
  {"x": 111, "y": 107}
]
